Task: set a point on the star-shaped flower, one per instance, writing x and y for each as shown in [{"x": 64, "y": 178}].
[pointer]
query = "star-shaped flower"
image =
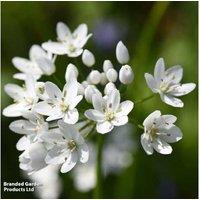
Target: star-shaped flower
[
  {"x": 159, "y": 130},
  {"x": 108, "y": 111},
  {"x": 24, "y": 98},
  {"x": 167, "y": 83},
  {"x": 68, "y": 43},
  {"x": 69, "y": 146}
]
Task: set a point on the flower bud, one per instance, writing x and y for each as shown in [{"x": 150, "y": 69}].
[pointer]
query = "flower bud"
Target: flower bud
[
  {"x": 126, "y": 74},
  {"x": 104, "y": 79},
  {"x": 122, "y": 53},
  {"x": 71, "y": 69},
  {"x": 109, "y": 87},
  {"x": 95, "y": 77},
  {"x": 81, "y": 89},
  {"x": 84, "y": 84},
  {"x": 89, "y": 92},
  {"x": 112, "y": 75},
  {"x": 88, "y": 58},
  {"x": 107, "y": 65}
]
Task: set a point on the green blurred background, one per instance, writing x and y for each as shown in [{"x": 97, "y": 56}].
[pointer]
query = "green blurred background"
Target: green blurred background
[{"x": 150, "y": 30}]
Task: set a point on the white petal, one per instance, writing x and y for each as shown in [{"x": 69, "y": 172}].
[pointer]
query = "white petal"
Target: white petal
[
  {"x": 104, "y": 127},
  {"x": 161, "y": 146},
  {"x": 75, "y": 102},
  {"x": 77, "y": 52},
  {"x": 53, "y": 91},
  {"x": 183, "y": 89},
  {"x": 172, "y": 101},
  {"x": 150, "y": 119},
  {"x": 55, "y": 113},
  {"x": 125, "y": 107},
  {"x": 176, "y": 72},
  {"x": 109, "y": 87},
  {"x": 43, "y": 108},
  {"x": 81, "y": 31},
  {"x": 55, "y": 48},
  {"x": 122, "y": 53},
  {"x": 30, "y": 83},
  {"x": 23, "y": 143},
  {"x": 22, "y": 64},
  {"x": 22, "y": 127},
  {"x": 63, "y": 31},
  {"x": 84, "y": 153},
  {"x": 97, "y": 102},
  {"x": 14, "y": 91},
  {"x": 90, "y": 91},
  {"x": 70, "y": 89},
  {"x": 172, "y": 135},
  {"x": 151, "y": 82},
  {"x": 159, "y": 70},
  {"x": 70, "y": 162},
  {"x": 46, "y": 65},
  {"x": 71, "y": 70},
  {"x": 94, "y": 115},
  {"x": 14, "y": 110},
  {"x": 113, "y": 100},
  {"x": 71, "y": 117},
  {"x": 119, "y": 121},
  {"x": 146, "y": 143},
  {"x": 170, "y": 119},
  {"x": 36, "y": 52}
]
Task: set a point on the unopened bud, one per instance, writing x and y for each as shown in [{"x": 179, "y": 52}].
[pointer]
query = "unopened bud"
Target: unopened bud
[
  {"x": 88, "y": 58},
  {"x": 107, "y": 65},
  {"x": 112, "y": 75},
  {"x": 71, "y": 70},
  {"x": 122, "y": 53},
  {"x": 95, "y": 77},
  {"x": 109, "y": 87},
  {"x": 90, "y": 91},
  {"x": 126, "y": 74},
  {"x": 104, "y": 79}
]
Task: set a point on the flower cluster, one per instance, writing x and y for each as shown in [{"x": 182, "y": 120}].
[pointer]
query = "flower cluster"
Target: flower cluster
[{"x": 54, "y": 129}]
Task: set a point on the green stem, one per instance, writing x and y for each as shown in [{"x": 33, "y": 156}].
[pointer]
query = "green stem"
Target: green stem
[
  {"x": 136, "y": 123},
  {"x": 145, "y": 99},
  {"x": 98, "y": 189}
]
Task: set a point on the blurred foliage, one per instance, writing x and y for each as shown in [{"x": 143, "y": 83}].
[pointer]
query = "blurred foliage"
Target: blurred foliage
[{"x": 150, "y": 30}]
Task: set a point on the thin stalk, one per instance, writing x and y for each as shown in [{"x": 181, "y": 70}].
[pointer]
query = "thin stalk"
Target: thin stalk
[
  {"x": 145, "y": 99},
  {"x": 136, "y": 123},
  {"x": 98, "y": 189}
]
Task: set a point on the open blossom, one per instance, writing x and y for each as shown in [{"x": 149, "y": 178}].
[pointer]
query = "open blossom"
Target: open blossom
[
  {"x": 61, "y": 104},
  {"x": 33, "y": 126},
  {"x": 167, "y": 83},
  {"x": 41, "y": 62},
  {"x": 24, "y": 97},
  {"x": 159, "y": 130},
  {"x": 109, "y": 112},
  {"x": 68, "y": 43},
  {"x": 69, "y": 147}
]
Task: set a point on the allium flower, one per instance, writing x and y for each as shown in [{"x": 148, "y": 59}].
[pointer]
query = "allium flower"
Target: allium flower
[
  {"x": 88, "y": 58},
  {"x": 61, "y": 104},
  {"x": 167, "y": 83},
  {"x": 122, "y": 53},
  {"x": 24, "y": 98},
  {"x": 32, "y": 159},
  {"x": 40, "y": 63},
  {"x": 126, "y": 75},
  {"x": 159, "y": 130},
  {"x": 33, "y": 126},
  {"x": 69, "y": 146},
  {"x": 68, "y": 43},
  {"x": 109, "y": 112}
]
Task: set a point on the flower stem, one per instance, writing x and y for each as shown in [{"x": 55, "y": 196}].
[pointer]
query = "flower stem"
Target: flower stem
[
  {"x": 145, "y": 99},
  {"x": 98, "y": 189}
]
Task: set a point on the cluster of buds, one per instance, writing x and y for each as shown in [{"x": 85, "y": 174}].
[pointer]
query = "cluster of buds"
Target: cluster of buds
[{"x": 55, "y": 131}]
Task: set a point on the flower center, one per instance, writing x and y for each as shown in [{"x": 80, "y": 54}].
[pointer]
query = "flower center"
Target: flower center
[
  {"x": 71, "y": 145},
  {"x": 109, "y": 115},
  {"x": 64, "y": 107},
  {"x": 72, "y": 48}
]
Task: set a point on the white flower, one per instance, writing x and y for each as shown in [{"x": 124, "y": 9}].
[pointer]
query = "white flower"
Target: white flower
[
  {"x": 33, "y": 125},
  {"x": 71, "y": 70},
  {"x": 107, "y": 65},
  {"x": 94, "y": 77},
  {"x": 32, "y": 159},
  {"x": 112, "y": 75},
  {"x": 104, "y": 79},
  {"x": 167, "y": 83},
  {"x": 126, "y": 75},
  {"x": 24, "y": 98},
  {"x": 109, "y": 87},
  {"x": 88, "y": 58},
  {"x": 90, "y": 91},
  {"x": 69, "y": 147},
  {"x": 109, "y": 112},
  {"x": 159, "y": 130},
  {"x": 40, "y": 63},
  {"x": 122, "y": 53},
  {"x": 61, "y": 104},
  {"x": 68, "y": 43},
  {"x": 47, "y": 178}
]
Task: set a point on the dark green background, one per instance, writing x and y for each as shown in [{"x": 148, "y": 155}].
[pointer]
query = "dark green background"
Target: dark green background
[{"x": 150, "y": 30}]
